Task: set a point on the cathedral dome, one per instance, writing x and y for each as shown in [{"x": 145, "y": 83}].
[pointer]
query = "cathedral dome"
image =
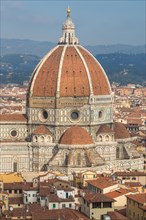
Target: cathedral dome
[
  {"x": 76, "y": 136},
  {"x": 69, "y": 70}
]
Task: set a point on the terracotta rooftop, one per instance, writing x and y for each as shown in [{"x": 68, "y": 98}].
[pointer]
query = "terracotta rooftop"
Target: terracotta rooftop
[
  {"x": 10, "y": 186},
  {"x": 76, "y": 136},
  {"x": 135, "y": 121},
  {"x": 102, "y": 182},
  {"x": 97, "y": 197},
  {"x": 42, "y": 129},
  {"x": 44, "y": 191},
  {"x": 133, "y": 184},
  {"x": 21, "y": 212},
  {"x": 54, "y": 198},
  {"x": 120, "y": 131},
  {"x": 11, "y": 177},
  {"x": 53, "y": 181},
  {"x": 139, "y": 198},
  {"x": 143, "y": 207},
  {"x": 16, "y": 200},
  {"x": 122, "y": 211},
  {"x": 116, "y": 216},
  {"x": 65, "y": 214},
  {"x": 104, "y": 129},
  {"x": 19, "y": 186},
  {"x": 131, "y": 173},
  {"x": 74, "y": 80},
  {"x": 98, "y": 77},
  {"x": 13, "y": 117},
  {"x": 118, "y": 192}
]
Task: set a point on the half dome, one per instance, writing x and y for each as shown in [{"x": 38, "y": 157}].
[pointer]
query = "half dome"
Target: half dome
[
  {"x": 121, "y": 131},
  {"x": 76, "y": 136}
]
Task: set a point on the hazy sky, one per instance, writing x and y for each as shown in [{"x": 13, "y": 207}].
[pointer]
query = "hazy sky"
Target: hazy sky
[{"x": 97, "y": 22}]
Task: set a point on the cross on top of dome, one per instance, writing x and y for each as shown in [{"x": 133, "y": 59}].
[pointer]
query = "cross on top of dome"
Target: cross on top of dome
[{"x": 68, "y": 31}]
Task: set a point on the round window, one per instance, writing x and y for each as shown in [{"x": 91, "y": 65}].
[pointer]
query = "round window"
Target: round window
[
  {"x": 75, "y": 115},
  {"x": 13, "y": 133},
  {"x": 45, "y": 114}
]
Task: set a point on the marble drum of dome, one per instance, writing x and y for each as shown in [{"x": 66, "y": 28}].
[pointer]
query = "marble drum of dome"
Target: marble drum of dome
[{"x": 69, "y": 86}]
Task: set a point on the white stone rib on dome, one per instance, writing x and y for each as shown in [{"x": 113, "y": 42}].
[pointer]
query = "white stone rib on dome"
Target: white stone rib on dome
[{"x": 38, "y": 67}]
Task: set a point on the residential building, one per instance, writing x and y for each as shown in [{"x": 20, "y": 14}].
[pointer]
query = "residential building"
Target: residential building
[
  {"x": 94, "y": 205},
  {"x": 136, "y": 206}
]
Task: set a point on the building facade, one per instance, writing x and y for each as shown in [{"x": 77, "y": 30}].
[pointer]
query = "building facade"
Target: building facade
[{"x": 68, "y": 125}]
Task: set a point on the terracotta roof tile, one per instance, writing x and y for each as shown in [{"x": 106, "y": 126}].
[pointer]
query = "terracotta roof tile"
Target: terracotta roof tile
[
  {"x": 65, "y": 214},
  {"x": 118, "y": 192},
  {"x": 131, "y": 173},
  {"x": 143, "y": 207},
  {"x": 133, "y": 184},
  {"x": 102, "y": 182},
  {"x": 122, "y": 211},
  {"x": 104, "y": 129},
  {"x": 99, "y": 81},
  {"x": 97, "y": 197},
  {"x": 42, "y": 129},
  {"x": 134, "y": 121},
  {"x": 140, "y": 198},
  {"x": 116, "y": 216},
  {"x": 76, "y": 136},
  {"x": 16, "y": 200},
  {"x": 46, "y": 81},
  {"x": 44, "y": 191},
  {"x": 120, "y": 131},
  {"x": 54, "y": 198},
  {"x": 11, "y": 177},
  {"x": 21, "y": 212},
  {"x": 13, "y": 117},
  {"x": 10, "y": 186},
  {"x": 74, "y": 79},
  {"x": 19, "y": 186}
]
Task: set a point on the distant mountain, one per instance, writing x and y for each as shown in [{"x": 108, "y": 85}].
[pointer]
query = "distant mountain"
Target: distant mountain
[
  {"x": 116, "y": 48},
  {"x": 121, "y": 68},
  {"x": 16, "y": 46},
  {"x": 124, "y": 68},
  {"x": 40, "y": 48},
  {"x": 16, "y": 68}
]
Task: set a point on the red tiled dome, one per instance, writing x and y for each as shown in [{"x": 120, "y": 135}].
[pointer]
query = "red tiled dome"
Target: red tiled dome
[
  {"x": 68, "y": 71},
  {"x": 41, "y": 129},
  {"x": 76, "y": 136},
  {"x": 104, "y": 129},
  {"x": 120, "y": 131}
]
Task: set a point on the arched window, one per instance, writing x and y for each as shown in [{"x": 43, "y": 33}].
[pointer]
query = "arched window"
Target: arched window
[
  {"x": 36, "y": 139},
  {"x": 100, "y": 138},
  {"x": 78, "y": 159},
  {"x": 15, "y": 167},
  {"x": 48, "y": 138},
  {"x": 106, "y": 138},
  {"x": 69, "y": 38},
  {"x": 117, "y": 153},
  {"x": 100, "y": 115},
  {"x": 42, "y": 138}
]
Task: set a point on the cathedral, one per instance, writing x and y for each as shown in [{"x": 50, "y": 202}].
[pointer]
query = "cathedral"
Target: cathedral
[{"x": 68, "y": 125}]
